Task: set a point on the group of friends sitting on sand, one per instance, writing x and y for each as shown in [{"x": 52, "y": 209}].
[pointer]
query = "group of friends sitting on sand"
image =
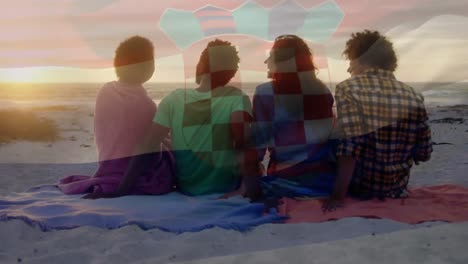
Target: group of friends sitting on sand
[{"x": 214, "y": 139}]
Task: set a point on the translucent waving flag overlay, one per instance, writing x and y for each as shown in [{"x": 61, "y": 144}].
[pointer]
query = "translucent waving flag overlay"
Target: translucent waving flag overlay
[{"x": 178, "y": 108}]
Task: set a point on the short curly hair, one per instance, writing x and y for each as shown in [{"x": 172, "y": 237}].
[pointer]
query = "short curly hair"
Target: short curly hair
[
  {"x": 134, "y": 60},
  {"x": 221, "y": 60},
  {"x": 372, "y": 49}
]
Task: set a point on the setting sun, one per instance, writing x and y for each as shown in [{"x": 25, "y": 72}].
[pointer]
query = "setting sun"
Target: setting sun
[
  {"x": 22, "y": 74},
  {"x": 55, "y": 75}
]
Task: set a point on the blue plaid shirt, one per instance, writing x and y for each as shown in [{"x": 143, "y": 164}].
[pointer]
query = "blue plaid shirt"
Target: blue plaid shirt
[{"x": 385, "y": 128}]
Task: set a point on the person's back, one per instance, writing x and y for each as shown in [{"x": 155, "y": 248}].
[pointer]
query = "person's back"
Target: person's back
[
  {"x": 384, "y": 123},
  {"x": 294, "y": 118},
  {"x": 389, "y": 134},
  {"x": 207, "y": 125},
  {"x": 206, "y": 160},
  {"x": 292, "y": 130},
  {"x": 123, "y": 115}
]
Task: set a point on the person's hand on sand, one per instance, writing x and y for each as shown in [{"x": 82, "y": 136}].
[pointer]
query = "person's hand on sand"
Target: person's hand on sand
[
  {"x": 272, "y": 203},
  {"x": 261, "y": 169},
  {"x": 94, "y": 196},
  {"x": 253, "y": 194},
  {"x": 331, "y": 204},
  {"x": 250, "y": 188},
  {"x": 231, "y": 194}
]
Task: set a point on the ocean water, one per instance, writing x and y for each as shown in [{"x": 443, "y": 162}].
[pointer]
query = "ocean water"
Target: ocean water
[
  {"x": 40, "y": 94},
  {"x": 85, "y": 93},
  {"x": 449, "y": 94}
]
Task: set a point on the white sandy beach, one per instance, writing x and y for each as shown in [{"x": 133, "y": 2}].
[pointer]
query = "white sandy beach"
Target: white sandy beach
[{"x": 351, "y": 240}]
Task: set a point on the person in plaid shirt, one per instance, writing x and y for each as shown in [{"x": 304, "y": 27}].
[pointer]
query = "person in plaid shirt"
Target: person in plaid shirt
[{"x": 383, "y": 123}]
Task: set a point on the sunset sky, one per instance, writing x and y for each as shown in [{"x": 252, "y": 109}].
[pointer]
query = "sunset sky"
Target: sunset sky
[{"x": 74, "y": 41}]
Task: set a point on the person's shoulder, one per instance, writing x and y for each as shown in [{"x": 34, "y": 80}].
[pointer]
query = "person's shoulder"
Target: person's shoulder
[
  {"x": 170, "y": 99},
  {"x": 106, "y": 87},
  {"x": 405, "y": 86},
  {"x": 348, "y": 83},
  {"x": 229, "y": 91},
  {"x": 175, "y": 94},
  {"x": 178, "y": 91},
  {"x": 264, "y": 89},
  {"x": 415, "y": 93},
  {"x": 107, "y": 90},
  {"x": 316, "y": 87}
]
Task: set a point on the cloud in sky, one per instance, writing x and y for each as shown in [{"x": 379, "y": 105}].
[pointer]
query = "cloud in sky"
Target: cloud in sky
[{"x": 434, "y": 52}]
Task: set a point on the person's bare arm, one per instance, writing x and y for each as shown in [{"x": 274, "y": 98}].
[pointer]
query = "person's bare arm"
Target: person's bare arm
[
  {"x": 423, "y": 147},
  {"x": 139, "y": 162},
  {"x": 240, "y": 130},
  {"x": 262, "y": 110},
  {"x": 345, "y": 171},
  {"x": 350, "y": 123}
]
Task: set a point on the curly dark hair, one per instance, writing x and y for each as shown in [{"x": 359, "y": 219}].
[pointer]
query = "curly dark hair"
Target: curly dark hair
[
  {"x": 291, "y": 46},
  {"x": 134, "y": 60},
  {"x": 371, "y": 49},
  {"x": 221, "y": 60}
]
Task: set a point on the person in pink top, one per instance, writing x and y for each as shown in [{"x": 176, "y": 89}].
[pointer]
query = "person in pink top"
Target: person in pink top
[{"x": 123, "y": 116}]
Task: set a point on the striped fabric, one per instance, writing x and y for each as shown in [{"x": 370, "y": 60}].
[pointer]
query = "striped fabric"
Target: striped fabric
[
  {"x": 251, "y": 27},
  {"x": 215, "y": 21},
  {"x": 384, "y": 125}
]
